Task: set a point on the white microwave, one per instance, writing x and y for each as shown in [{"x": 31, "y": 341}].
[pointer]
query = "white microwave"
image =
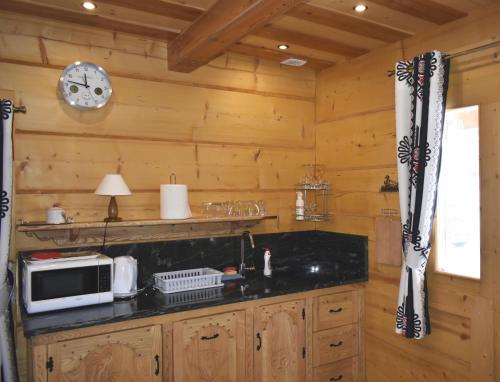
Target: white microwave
[{"x": 78, "y": 279}]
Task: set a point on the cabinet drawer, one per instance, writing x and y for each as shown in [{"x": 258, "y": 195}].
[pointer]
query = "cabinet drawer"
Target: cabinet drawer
[
  {"x": 335, "y": 344},
  {"x": 340, "y": 371},
  {"x": 334, "y": 310}
]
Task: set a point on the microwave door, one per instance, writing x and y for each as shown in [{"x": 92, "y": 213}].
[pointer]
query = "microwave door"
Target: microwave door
[{"x": 66, "y": 282}]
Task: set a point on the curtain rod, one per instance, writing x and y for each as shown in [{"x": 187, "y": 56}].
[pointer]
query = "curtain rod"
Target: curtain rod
[
  {"x": 390, "y": 73},
  {"x": 20, "y": 109}
]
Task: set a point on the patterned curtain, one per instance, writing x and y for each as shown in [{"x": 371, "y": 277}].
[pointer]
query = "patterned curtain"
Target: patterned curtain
[
  {"x": 9, "y": 371},
  {"x": 421, "y": 87}
]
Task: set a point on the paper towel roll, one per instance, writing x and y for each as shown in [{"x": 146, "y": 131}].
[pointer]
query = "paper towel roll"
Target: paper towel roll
[{"x": 174, "y": 202}]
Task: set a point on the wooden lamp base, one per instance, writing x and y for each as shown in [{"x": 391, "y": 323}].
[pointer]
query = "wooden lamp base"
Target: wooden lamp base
[{"x": 113, "y": 211}]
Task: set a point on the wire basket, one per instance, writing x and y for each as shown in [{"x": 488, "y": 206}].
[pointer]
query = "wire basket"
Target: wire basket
[{"x": 190, "y": 279}]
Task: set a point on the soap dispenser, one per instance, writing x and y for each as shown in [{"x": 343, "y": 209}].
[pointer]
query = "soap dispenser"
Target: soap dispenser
[
  {"x": 299, "y": 207},
  {"x": 267, "y": 263}
]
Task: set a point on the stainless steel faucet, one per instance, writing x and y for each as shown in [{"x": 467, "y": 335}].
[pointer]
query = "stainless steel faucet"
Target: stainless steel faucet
[{"x": 242, "y": 250}]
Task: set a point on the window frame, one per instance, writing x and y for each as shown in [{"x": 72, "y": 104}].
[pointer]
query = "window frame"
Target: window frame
[{"x": 433, "y": 260}]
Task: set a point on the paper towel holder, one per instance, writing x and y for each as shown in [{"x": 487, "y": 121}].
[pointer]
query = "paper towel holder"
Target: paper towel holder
[{"x": 174, "y": 203}]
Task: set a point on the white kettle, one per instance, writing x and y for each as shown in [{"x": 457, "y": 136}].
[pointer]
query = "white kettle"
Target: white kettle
[{"x": 125, "y": 276}]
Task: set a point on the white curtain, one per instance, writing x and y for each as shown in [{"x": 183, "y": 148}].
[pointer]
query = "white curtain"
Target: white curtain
[
  {"x": 421, "y": 87},
  {"x": 6, "y": 339}
]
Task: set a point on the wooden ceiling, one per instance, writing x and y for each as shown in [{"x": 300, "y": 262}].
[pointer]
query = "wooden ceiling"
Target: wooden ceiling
[{"x": 323, "y": 32}]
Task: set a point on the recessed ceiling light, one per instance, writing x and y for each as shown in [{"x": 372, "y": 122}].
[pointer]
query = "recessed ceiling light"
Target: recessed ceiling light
[
  {"x": 89, "y": 5},
  {"x": 360, "y": 8},
  {"x": 283, "y": 46}
]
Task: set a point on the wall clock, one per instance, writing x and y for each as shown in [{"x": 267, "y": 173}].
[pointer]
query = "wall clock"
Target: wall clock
[{"x": 85, "y": 86}]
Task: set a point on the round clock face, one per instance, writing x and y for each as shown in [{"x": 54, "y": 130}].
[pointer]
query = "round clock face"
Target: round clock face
[{"x": 85, "y": 86}]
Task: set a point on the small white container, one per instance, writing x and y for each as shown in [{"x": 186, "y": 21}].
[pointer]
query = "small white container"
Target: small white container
[
  {"x": 299, "y": 207},
  {"x": 56, "y": 215},
  {"x": 268, "y": 271}
]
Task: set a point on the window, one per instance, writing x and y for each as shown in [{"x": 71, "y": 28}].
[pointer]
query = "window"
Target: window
[{"x": 458, "y": 213}]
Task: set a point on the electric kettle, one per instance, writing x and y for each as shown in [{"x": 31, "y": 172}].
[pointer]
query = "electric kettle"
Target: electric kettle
[{"x": 125, "y": 276}]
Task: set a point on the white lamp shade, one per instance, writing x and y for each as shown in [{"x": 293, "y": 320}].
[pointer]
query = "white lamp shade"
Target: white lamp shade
[{"x": 113, "y": 185}]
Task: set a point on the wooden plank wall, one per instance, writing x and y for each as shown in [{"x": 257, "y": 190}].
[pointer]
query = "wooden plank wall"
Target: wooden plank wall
[
  {"x": 236, "y": 129},
  {"x": 241, "y": 128},
  {"x": 356, "y": 140}
]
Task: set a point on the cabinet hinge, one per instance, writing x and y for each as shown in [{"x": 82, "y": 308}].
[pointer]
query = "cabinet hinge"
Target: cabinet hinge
[
  {"x": 303, "y": 313},
  {"x": 303, "y": 352},
  {"x": 50, "y": 364}
]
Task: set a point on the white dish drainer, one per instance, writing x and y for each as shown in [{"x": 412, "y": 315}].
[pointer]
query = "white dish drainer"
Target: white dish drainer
[
  {"x": 189, "y": 279},
  {"x": 190, "y": 296}
]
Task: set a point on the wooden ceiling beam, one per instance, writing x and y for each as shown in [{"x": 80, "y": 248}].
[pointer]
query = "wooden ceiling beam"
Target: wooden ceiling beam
[
  {"x": 158, "y": 7},
  {"x": 277, "y": 55},
  {"x": 225, "y": 23},
  {"x": 348, "y": 23},
  {"x": 310, "y": 41},
  {"x": 155, "y": 33},
  {"x": 423, "y": 9},
  {"x": 91, "y": 20}
]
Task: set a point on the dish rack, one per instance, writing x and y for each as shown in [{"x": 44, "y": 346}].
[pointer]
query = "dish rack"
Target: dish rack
[
  {"x": 189, "y": 297},
  {"x": 190, "y": 279}
]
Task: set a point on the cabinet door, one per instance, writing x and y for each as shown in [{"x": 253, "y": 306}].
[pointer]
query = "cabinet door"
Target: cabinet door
[
  {"x": 129, "y": 355},
  {"x": 210, "y": 349},
  {"x": 279, "y": 347}
]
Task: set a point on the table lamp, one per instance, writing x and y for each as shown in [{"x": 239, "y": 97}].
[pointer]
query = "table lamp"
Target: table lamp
[{"x": 113, "y": 185}]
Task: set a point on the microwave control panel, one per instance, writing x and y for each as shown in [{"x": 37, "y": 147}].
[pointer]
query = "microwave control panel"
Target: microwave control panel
[{"x": 105, "y": 278}]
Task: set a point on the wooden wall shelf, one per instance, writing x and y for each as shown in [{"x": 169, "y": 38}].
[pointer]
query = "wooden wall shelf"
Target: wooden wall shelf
[{"x": 139, "y": 230}]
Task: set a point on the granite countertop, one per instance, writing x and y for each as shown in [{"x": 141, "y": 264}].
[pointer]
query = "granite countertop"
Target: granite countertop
[{"x": 290, "y": 275}]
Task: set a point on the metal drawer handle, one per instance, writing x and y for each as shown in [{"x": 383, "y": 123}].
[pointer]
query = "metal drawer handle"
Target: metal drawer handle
[
  {"x": 338, "y": 378},
  {"x": 259, "y": 346},
  {"x": 157, "y": 359},
  {"x": 205, "y": 338},
  {"x": 338, "y": 310},
  {"x": 336, "y": 344}
]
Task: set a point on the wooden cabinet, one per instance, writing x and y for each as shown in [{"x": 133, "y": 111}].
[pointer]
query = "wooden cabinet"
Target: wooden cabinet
[
  {"x": 341, "y": 371},
  {"x": 210, "y": 349},
  {"x": 334, "y": 344},
  {"x": 336, "y": 337},
  {"x": 129, "y": 355},
  {"x": 279, "y": 342},
  {"x": 334, "y": 310},
  {"x": 313, "y": 336}
]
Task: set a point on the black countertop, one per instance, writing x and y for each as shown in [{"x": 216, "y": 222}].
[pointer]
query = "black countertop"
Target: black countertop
[
  {"x": 152, "y": 303},
  {"x": 291, "y": 274}
]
